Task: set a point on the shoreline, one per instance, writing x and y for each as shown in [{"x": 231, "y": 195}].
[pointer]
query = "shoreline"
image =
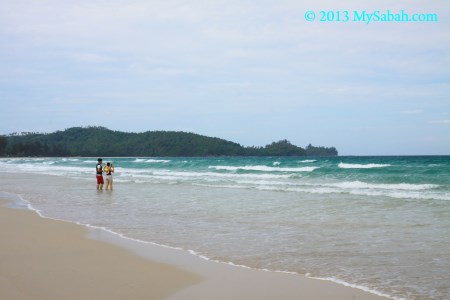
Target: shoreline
[
  {"x": 194, "y": 277},
  {"x": 49, "y": 259}
]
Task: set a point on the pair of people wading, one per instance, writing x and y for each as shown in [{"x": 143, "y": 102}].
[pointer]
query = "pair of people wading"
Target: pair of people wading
[{"x": 108, "y": 169}]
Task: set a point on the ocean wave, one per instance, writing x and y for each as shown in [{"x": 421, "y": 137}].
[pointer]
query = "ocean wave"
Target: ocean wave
[
  {"x": 411, "y": 195},
  {"x": 355, "y": 286},
  {"x": 157, "y": 160},
  {"x": 264, "y": 168},
  {"x": 151, "y": 160},
  {"x": 70, "y": 159},
  {"x": 383, "y": 186},
  {"x": 49, "y": 168},
  {"x": 206, "y": 175},
  {"x": 362, "y": 166},
  {"x": 227, "y": 186},
  {"x": 397, "y": 191},
  {"x": 308, "y": 161},
  {"x": 407, "y": 195}
]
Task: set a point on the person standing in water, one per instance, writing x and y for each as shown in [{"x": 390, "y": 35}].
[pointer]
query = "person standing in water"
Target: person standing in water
[
  {"x": 109, "y": 169},
  {"x": 99, "y": 175}
]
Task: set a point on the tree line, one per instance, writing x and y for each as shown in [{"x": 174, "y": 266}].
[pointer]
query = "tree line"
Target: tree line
[{"x": 100, "y": 141}]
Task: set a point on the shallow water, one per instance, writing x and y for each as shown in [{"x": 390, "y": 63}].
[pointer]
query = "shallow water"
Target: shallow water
[{"x": 378, "y": 223}]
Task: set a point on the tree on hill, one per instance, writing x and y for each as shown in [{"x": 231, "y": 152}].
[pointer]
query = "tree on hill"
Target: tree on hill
[
  {"x": 3, "y": 143},
  {"x": 100, "y": 141},
  {"x": 320, "y": 151},
  {"x": 283, "y": 148}
]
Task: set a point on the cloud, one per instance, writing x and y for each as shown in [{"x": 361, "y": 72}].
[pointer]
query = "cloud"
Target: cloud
[
  {"x": 232, "y": 60},
  {"x": 90, "y": 57},
  {"x": 160, "y": 70},
  {"x": 446, "y": 122},
  {"x": 412, "y": 112}
]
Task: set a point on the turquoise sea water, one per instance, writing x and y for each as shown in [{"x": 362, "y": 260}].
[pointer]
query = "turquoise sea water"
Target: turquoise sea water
[{"x": 377, "y": 223}]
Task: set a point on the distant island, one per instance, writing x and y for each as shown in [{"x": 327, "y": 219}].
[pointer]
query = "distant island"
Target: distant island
[{"x": 101, "y": 141}]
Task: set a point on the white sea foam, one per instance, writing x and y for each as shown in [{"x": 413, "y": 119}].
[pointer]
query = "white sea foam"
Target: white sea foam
[
  {"x": 151, "y": 160},
  {"x": 219, "y": 175},
  {"x": 397, "y": 191},
  {"x": 228, "y": 186},
  {"x": 381, "y": 186},
  {"x": 157, "y": 160},
  {"x": 362, "y": 166},
  {"x": 70, "y": 159},
  {"x": 49, "y": 168},
  {"x": 308, "y": 161},
  {"x": 412, "y": 195},
  {"x": 157, "y": 176},
  {"x": 269, "y": 182},
  {"x": 356, "y": 286},
  {"x": 263, "y": 168}
]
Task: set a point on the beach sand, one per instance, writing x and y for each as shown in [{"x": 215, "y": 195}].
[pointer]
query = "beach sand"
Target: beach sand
[{"x": 47, "y": 259}]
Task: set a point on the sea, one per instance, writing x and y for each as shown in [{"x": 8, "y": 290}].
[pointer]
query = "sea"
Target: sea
[{"x": 381, "y": 224}]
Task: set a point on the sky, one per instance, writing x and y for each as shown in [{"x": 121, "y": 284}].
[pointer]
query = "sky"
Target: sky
[{"x": 252, "y": 72}]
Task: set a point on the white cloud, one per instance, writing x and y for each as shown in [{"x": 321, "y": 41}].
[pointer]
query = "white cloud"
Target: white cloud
[
  {"x": 90, "y": 57},
  {"x": 412, "y": 112},
  {"x": 227, "y": 58},
  {"x": 440, "y": 122}
]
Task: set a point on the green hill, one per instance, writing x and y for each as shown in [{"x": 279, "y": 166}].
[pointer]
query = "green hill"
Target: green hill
[{"x": 100, "y": 141}]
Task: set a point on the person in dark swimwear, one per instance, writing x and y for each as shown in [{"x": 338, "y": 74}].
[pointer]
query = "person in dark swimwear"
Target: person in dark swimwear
[{"x": 99, "y": 175}]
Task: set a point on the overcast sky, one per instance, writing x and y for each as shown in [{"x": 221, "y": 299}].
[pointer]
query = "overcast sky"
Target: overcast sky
[{"x": 248, "y": 71}]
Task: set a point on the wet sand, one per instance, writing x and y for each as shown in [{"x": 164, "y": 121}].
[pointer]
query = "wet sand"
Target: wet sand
[{"x": 47, "y": 259}]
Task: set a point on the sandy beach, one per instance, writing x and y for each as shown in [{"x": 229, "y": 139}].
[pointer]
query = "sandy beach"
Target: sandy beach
[{"x": 47, "y": 259}]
